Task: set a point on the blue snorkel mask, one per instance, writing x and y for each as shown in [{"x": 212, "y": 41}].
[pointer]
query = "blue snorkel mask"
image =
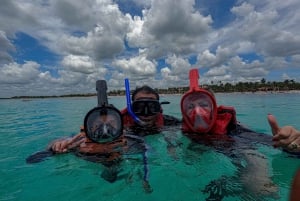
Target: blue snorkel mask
[{"x": 103, "y": 123}]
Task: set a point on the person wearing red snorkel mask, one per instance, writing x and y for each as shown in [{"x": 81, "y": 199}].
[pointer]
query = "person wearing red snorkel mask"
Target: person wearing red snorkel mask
[
  {"x": 199, "y": 110},
  {"x": 206, "y": 123},
  {"x": 200, "y": 113}
]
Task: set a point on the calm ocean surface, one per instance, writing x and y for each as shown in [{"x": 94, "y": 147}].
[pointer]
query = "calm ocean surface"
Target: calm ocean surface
[{"x": 27, "y": 126}]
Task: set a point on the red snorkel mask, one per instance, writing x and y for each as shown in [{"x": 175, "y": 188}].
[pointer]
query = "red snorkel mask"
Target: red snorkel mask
[{"x": 198, "y": 107}]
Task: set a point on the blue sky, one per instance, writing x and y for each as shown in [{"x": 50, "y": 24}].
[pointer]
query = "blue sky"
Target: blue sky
[{"x": 63, "y": 46}]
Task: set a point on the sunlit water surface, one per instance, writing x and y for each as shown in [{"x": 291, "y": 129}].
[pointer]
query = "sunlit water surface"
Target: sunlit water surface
[{"x": 28, "y": 125}]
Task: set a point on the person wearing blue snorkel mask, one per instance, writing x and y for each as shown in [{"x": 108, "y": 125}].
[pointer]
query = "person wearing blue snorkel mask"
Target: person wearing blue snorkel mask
[{"x": 147, "y": 108}]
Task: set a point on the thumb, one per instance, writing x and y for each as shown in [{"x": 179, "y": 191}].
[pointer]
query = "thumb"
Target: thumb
[{"x": 273, "y": 124}]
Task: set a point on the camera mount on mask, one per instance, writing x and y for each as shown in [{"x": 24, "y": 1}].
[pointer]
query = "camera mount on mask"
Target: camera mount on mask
[{"x": 103, "y": 123}]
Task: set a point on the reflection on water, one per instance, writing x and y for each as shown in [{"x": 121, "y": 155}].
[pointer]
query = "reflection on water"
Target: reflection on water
[{"x": 182, "y": 172}]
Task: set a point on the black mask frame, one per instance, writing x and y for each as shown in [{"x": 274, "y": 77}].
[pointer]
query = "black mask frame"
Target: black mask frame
[
  {"x": 146, "y": 107},
  {"x": 103, "y": 132}
]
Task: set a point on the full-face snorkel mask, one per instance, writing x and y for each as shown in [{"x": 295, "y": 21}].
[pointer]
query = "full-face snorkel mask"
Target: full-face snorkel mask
[
  {"x": 103, "y": 123},
  {"x": 198, "y": 107}
]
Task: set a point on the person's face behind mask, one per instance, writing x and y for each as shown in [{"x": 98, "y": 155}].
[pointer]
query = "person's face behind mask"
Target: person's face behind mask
[
  {"x": 198, "y": 111},
  {"x": 104, "y": 127},
  {"x": 149, "y": 113}
]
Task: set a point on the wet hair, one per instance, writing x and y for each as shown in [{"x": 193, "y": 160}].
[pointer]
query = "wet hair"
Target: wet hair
[{"x": 146, "y": 89}]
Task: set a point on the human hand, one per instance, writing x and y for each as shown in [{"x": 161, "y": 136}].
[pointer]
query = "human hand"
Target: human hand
[
  {"x": 93, "y": 147},
  {"x": 63, "y": 145},
  {"x": 286, "y": 137}
]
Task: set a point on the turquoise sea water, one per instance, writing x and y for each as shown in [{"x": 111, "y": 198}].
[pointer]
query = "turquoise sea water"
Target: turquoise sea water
[{"x": 28, "y": 125}]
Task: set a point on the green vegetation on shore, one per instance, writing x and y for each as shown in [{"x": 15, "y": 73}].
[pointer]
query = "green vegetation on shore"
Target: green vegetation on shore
[{"x": 287, "y": 85}]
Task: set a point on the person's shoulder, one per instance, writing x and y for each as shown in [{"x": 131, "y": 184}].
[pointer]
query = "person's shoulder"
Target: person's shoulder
[
  {"x": 171, "y": 120},
  {"x": 249, "y": 135}
]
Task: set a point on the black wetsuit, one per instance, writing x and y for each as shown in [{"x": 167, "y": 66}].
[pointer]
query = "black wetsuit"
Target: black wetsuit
[
  {"x": 134, "y": 145},
  {"x": 239, "y": 142}
]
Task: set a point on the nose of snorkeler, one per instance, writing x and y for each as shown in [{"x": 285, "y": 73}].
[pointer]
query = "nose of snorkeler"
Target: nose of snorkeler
[
  {"x": 200, "y": 118},
  {"x": 105, "y": 132}
]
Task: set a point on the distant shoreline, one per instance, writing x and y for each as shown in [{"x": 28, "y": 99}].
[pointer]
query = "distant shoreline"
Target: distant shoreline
[
  {"x": 263, "y": 92},
  {"x": 179, "y": 94}
]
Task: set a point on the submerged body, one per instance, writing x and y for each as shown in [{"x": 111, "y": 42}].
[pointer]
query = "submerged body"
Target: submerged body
[
  {"x": 252, "y": 179},
  {"x": 111, "y": 161}
]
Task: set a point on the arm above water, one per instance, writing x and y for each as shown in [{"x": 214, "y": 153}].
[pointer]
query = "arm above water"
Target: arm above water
[
  {"x": 90, "y": 147},
  {"x": 63, "y": 145},
  {"x": 286, "y": 137}
]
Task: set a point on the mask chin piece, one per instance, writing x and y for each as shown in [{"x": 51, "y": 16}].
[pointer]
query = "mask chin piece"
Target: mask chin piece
[{"x": 200, "y": 119}]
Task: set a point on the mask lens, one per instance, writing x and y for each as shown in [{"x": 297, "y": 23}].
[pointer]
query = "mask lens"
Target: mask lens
[
  {"x": 138, "y": 107},
  {"x": 146, "y": 107},
  {"x": 198, "y": 109},
  {"x": 103, "y": 124}
]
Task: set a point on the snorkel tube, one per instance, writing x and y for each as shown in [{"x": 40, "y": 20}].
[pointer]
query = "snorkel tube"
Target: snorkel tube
[
  {"x": 101, "y": 89},
  {"x": 129, "y": 107},
  {"x": 195, "y": 93}
]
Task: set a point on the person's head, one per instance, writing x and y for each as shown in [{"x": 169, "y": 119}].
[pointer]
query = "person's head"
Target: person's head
[
  {"x": 103, "y": 124},
  {"x": 145, "y": 104},
  {"x": 199, "y": 110},
  {"x": 144, "y": 92}
]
